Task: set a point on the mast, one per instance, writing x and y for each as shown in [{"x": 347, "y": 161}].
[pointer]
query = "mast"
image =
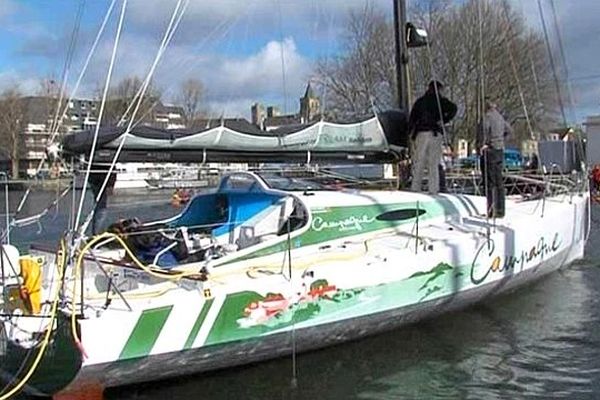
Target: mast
[{"x": 401, "y": 54}]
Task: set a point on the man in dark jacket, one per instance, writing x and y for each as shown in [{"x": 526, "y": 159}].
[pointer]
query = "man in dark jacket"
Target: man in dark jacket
[{"x": 427, "y": 116}]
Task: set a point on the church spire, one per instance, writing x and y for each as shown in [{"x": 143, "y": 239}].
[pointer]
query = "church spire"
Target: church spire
[{"x": 309, "y": 93}]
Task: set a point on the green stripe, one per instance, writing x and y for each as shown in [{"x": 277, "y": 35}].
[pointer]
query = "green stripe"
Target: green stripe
[
  {"x": 198, "y": 324},
  {"x": 145, "y": 333}
]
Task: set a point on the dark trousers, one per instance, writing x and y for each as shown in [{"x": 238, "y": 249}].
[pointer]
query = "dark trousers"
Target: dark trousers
[
  {"x": 492, "y": 163},
  {"x": 442, "y": 175}
]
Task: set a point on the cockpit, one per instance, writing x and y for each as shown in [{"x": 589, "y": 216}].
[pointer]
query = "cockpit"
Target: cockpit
[{"x": 243, "y": 212}]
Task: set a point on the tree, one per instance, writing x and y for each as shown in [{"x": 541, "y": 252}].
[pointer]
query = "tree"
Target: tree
[
  {"x": 363, "y": 75},
  {"x": 122, "y": 101},
  {"x": 483, "y": 48},
  {"x": 12, "y": 115},
  {"x": 504, "y": 60},
  {"x": 190, "y": 98}
]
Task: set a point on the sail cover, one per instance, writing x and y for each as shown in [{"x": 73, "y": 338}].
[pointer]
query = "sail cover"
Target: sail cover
[{"x": 364, "y": 139}]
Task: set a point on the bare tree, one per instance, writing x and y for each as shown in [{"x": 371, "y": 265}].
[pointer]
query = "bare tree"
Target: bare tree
[
  {"x": 477, "y": 48},
  {"x": 483, "y": 48},
  {"x": 363, "y": 75},
  {"x": 123, "y": 98},
  {"x": 190, "y": 98},
  {"x": 12, "y": 115}
]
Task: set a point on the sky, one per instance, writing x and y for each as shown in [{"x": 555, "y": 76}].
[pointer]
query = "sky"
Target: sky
[{"x": 242, "y": 50}]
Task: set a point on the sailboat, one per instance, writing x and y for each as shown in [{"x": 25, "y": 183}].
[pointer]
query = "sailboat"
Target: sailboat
[{"x": 266, "y": 264}]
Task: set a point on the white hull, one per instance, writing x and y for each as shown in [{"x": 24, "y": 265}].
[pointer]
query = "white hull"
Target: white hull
[{"x": 361, "y": 263}]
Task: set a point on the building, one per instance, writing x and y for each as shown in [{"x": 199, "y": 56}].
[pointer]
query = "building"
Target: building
[
  {"x": 258, "y": 114},
  {"x": 39, "y": 113},
  {"x": 529, "y": 147},
  {"x": 592, "y": 131},
  {"x": 273, "y": 111},
  {"x": 166, "y": 117},
  {"x": 559, "y": 133},
  {"x": 310, "y": 111},
  {"x": 462, "y": 150},
  {"x": 236, "y": 124},
  {"x": 310, "y": 105},
  {"x": 80, "y": 114}
]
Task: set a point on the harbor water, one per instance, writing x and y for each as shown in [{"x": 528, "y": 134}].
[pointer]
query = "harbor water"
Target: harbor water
[{"x": 540, "y": 342}]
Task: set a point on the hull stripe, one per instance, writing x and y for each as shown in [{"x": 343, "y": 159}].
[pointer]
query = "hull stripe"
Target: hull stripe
[
  {"x": 196, "y": 328},
  {"x": 145, "y": 333},
  {"x": 209, "y": 323}
]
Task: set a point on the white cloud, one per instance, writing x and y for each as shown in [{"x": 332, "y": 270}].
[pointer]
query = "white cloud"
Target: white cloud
[
  {"x": 310, "y": 17},
  {"x": 233, "y": 46},
  {"x": 262, "y": 72},
  {"x": 232, "y": 83},
  {"x": 27, "y": 85}
]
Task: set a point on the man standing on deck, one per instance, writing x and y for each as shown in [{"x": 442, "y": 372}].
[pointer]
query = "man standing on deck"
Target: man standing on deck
[
  {"x": 490, "y": 142},
  {"x": 425, "y": 124}
]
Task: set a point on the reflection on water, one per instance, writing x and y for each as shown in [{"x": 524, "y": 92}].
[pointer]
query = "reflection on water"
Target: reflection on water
[{"x": 539, "y": 342}]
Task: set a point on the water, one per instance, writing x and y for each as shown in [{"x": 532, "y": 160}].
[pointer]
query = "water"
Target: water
[{"x": 540, "y": 342}]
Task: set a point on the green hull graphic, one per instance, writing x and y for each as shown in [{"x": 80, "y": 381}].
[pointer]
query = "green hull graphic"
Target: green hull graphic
[
  {"x": 198, "y": 324},
  {"x": 145, "y": 333}
]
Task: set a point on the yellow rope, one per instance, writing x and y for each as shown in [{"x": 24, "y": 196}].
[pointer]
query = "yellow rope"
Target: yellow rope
[
  {"x": 60, "y": 263},
  {"x": 79, "y": 263}
]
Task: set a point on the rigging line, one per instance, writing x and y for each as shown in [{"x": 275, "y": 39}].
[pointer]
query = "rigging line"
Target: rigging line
[
  {"x": 173, "y": 23},
  {"x": 101, "y": 112},
  {"x": 579, "y": 146},
  {"x": 564, "y": 61},
  {"x": 535, "y": 80},
  {"x": 86, "y": 63},
  {"x": 68, "y": 60},
  {"x": 281, "y": 43},
  {"x": 138, "y": 97},
  {"x": 224, "y": 108},
  {"x": 514, "y": 68},
  {"x": 552, "y": 65},
  {"x": 225, "y": 30},
  {"x": 324, "y": 91},
  {"x": 53, "y": 136},
  {"x": 437, "y": 94},
  {"x": 481, "y": 64}
]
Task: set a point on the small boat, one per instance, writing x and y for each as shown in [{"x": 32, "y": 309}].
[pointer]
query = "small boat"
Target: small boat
[{"x": 180, "y": 197}]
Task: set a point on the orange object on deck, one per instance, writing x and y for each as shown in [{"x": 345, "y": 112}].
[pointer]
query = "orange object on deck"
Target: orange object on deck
[{"x": 31, "y": 290}]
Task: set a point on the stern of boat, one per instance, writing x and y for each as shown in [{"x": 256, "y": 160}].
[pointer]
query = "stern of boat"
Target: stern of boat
[
  {"x": 38, "y": 354},
  {"x": 21, "y": 343}
]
